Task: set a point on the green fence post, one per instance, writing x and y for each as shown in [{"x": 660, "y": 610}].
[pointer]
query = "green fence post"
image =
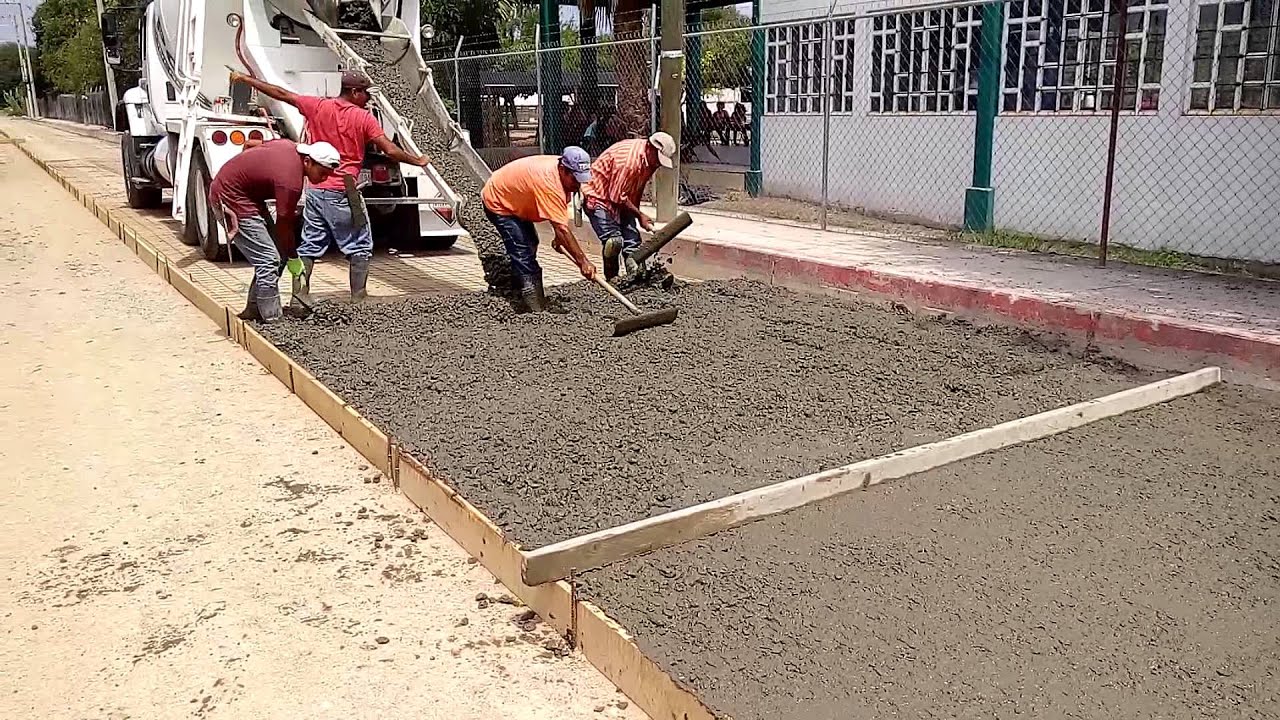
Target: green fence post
[
  {"x": 979, "y": 198},
  {"x": 692, "y": 69},
  {"x": 755, "y": 174},
  {"x": 552, "y": 81}
]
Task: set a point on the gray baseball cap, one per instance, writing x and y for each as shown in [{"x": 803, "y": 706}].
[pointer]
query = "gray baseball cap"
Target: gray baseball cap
[{"x": 577, "y": 161}]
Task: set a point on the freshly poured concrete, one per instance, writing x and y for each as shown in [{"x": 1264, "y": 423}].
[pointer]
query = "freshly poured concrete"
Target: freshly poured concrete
[
  {"x": 1127, "y": 569},
  {"x": 554, "y": 429}
]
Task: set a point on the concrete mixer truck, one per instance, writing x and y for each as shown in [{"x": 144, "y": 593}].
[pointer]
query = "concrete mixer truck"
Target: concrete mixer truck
[{"x": 183, "y": 120}]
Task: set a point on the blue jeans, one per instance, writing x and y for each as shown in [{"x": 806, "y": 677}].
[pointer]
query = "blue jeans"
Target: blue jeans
[
  {"x": 607, "y": 227},
  {"x": 253, "y": 240},
  {"x": 520, "y": 239},
  {"x": 326, "y": 219}
]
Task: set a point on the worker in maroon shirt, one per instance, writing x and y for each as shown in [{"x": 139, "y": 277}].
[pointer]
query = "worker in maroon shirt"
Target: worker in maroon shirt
[
  {"x": 275, "y": 171},
  {"x": 327, "y": 217}
]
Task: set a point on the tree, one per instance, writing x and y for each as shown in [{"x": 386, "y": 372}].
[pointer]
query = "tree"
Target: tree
[
  {"x": 726, "y": 57},
  {"x": 69, "y": 44},
  {"x": 10, "y": 68}
]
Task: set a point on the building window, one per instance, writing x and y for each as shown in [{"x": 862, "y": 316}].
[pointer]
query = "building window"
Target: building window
[
  {"x": 794, "y": 78},
  {"x": 1060, "y": 55},
  {"x": 925, "y": 61},
  {"x": 1237, "y": 57}
]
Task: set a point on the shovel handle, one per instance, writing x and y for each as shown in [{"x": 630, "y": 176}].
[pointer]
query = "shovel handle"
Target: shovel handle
[{"x": 616, "y": 294}]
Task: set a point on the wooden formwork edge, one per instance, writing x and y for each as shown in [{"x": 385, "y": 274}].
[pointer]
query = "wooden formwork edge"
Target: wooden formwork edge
[
  {"x": 603, "y": 547},
  {"x": 603, "y": 642}
]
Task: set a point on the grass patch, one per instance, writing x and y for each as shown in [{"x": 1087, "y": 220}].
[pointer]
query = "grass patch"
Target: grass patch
[{"x": 1119, "y": 252}]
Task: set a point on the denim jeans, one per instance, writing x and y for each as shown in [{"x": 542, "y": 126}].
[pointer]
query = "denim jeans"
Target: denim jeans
[
  {"x": 327, "y": 218},
  {"x": 607, "y": 226},
  {"x": 520, "y": 238},
  {"x": 254, "y": 242}
]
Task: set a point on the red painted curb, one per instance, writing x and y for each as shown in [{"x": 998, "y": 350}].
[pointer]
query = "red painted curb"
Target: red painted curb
[{"x": 1250, "y": 350}]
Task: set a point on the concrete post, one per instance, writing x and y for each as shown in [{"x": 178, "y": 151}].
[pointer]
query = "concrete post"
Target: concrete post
[{"x": 670, "y": 86}]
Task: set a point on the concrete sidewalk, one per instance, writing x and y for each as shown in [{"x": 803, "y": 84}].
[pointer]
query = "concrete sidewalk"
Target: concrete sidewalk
[{"x": 1233, "y": 319}]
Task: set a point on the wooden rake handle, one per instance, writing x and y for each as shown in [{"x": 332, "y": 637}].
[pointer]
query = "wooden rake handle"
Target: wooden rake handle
[{"x": 616, "y": 294}]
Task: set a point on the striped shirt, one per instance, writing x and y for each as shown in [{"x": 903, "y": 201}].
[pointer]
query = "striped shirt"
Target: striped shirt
[{"x": 620, "y": 172}]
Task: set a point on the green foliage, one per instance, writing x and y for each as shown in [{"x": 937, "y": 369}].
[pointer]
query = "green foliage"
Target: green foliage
[
  {"x": 70, "y": 45},
  {"x": 10, "y": 67},
  {"x": 726, "y": 57},
  {"x": 13, "y": 102}
]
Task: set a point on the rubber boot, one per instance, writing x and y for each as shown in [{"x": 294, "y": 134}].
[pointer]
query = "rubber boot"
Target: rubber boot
[
  {"x": 250, "y": 311},
  {"x": 359, "y": 278},
  {"x": 612, "y": 249},
  {"x": 629, "y": 263},
  {"x": 535, "y": 300},
  {"x": 269, "y": 309}
]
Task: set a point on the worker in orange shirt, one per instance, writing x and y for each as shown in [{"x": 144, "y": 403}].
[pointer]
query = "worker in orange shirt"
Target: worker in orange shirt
[
  {"x": 532, "y": 190},
  {"x": 612, "y": 198}
]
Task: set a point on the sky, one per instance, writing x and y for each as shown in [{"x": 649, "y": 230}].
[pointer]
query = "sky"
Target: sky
[{"x": 9, "y": 13}]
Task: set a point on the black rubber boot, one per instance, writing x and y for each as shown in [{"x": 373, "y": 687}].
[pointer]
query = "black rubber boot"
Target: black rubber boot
[
  {"x": 269, "y": 309},
  {"x": 612, "y": 249},
  {"x": 250, "y": 311},
  {"x": 534, "y": 299},
  {"x": 359, "y": 278}
]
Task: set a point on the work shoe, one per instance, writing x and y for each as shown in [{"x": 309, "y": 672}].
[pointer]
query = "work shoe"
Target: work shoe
[
  {"x": 359, "y": 275},
  {"x": 612, "y": 249}
]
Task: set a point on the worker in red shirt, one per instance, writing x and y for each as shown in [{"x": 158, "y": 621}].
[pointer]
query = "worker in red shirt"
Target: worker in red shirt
[
  {"x": 327, "y": 217},
  {"x": 274, "y": 170},
  {"x": 612, "y": 197}
]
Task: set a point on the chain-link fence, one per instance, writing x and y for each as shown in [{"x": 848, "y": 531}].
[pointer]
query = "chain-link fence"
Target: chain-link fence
[
  {"x": 90, "y": 108},
  {"x": 1148, "y": 127}
]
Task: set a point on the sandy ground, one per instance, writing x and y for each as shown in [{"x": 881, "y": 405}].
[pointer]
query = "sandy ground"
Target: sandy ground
[{"x": 181, "y": 537}]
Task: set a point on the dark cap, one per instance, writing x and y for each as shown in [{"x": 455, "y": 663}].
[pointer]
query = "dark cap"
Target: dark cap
[{"x": 355, "y": 80}]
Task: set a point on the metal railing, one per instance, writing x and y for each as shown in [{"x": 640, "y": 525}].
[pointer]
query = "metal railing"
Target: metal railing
[{"x": 1144, "y": 128}]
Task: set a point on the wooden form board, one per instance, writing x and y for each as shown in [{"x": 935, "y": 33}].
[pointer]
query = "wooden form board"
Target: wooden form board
[
  {"x": 603, "y": 642},
  {"x": 609, "y": 647},
  {"x": 560, "y": 559}
]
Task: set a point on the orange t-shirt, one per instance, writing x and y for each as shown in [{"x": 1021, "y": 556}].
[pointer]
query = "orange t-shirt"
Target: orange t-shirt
[{"x": 529, "y": 189}]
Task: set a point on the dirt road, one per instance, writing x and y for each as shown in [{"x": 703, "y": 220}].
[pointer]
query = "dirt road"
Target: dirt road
[{"x": 181, "y": 537}]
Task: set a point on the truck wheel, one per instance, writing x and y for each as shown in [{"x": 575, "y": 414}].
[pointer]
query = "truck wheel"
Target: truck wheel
[
  {"x": 140, "y": 198},
  {"x": 199, "y": 226}
]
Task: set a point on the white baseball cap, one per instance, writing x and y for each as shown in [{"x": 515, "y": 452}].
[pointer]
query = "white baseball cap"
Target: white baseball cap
[
  {"x": 666, "y": 147},
  {"x": 322, "y": 153}
]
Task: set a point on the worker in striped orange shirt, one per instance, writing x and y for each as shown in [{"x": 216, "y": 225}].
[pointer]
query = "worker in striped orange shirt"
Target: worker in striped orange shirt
[{"x": 612, "y": 197}]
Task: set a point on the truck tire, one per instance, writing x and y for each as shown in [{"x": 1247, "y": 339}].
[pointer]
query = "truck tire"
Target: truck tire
[
  {"x": 200, "y": 227},
  {"x": 140, "y": 198}
]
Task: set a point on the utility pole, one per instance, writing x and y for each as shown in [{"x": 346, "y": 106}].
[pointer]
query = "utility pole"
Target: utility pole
[
  {"x": 106, "y": 66},
  {"x": 670, "y": 87},
  {"x": 24, "y": 60}
]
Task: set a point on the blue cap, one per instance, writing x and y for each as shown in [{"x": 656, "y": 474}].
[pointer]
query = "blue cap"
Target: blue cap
[{"x": 577, "y": 161}]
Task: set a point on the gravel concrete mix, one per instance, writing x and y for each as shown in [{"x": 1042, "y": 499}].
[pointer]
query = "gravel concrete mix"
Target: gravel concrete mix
[
  {"x": 1128, "y": 569},
  {"x": 553, "y": 428}
]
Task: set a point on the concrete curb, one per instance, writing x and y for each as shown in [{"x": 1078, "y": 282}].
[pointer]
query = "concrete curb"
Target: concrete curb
[{"x": 1243, "y": 350}]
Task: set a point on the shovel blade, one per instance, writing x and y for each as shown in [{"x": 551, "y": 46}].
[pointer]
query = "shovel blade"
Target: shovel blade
[{"x": 642, "y": 321}]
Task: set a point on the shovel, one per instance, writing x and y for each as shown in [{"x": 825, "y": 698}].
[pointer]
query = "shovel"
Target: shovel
[{"x": 639, "y": 320}]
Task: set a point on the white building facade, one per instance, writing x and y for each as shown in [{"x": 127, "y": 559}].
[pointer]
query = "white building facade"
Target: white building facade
[{"x": 1198, "y": 146}]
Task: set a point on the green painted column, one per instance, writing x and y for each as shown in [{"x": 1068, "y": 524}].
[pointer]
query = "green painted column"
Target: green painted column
[
  {"x": 755, "y": 174},
  {"x": 692, "y": 68},
  {"x": 979, "y": 198},
  {"x": 552, "y": 78}
]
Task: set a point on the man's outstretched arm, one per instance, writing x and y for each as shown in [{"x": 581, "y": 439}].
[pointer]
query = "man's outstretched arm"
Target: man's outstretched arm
[
  {"x": 275, "y": 92},
  {"x": 393, "y": 151}
]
